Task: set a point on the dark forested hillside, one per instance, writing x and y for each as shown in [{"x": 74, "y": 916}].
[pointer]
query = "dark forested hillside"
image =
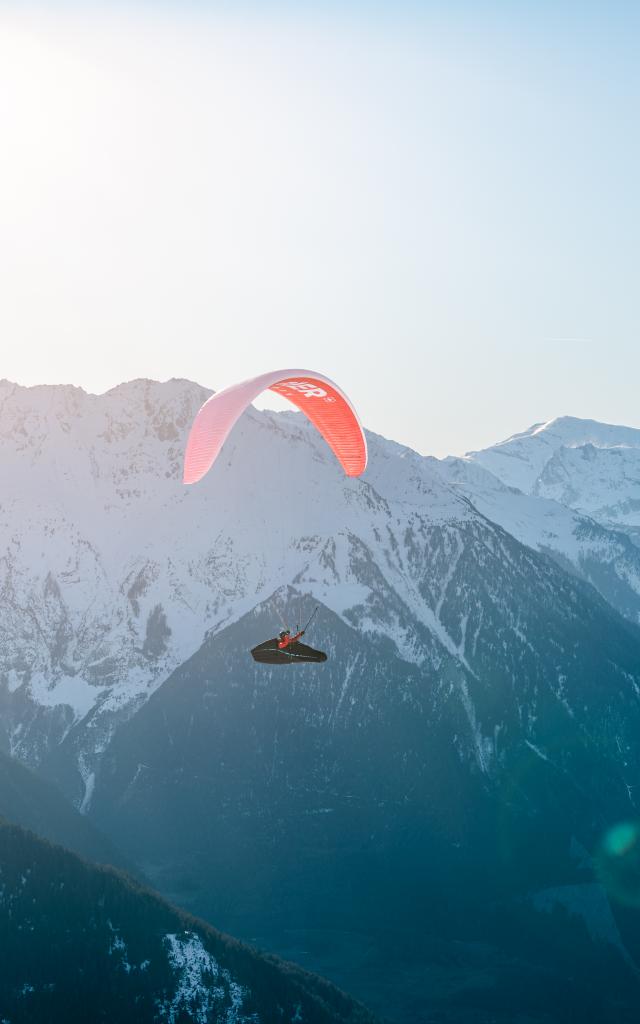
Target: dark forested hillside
[{"x": 82, "y": 944}]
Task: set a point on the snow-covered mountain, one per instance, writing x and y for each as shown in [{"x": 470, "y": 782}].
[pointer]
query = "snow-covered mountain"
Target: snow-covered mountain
[
  {"x": 113, "y": 573},
  {"x": 588, "y": 466},
  {"x": 606, "y": 557},
  {"x": 483, "y": 680}
]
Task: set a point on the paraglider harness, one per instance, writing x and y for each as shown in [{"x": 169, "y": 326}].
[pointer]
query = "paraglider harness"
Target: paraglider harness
[{"x": 286, "y": 649}]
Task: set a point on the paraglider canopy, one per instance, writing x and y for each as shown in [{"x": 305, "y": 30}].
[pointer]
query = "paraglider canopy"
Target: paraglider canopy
[{"x": 319, "y": 398}]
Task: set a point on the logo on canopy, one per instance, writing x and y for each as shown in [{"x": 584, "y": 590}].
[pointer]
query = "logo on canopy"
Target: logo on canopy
[{"x": 306, "y": 389}]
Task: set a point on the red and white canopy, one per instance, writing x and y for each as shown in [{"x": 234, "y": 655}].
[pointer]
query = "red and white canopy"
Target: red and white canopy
[{"x": 319, "y": 398}]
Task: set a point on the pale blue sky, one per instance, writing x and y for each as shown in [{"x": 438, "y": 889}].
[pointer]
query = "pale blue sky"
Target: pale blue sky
[{"x": 436, "y": 204}]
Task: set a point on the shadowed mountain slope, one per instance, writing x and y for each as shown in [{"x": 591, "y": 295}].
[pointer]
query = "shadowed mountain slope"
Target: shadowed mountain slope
[
  {"x": 27, "y": 800},
  {"x": 423, "y": 809}
]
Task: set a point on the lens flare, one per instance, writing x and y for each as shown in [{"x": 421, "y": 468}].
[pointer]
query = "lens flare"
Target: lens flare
[{"x": 618, "y": 862}]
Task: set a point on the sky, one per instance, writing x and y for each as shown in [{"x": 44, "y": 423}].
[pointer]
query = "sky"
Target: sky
[{"x": 435, "y": 204}]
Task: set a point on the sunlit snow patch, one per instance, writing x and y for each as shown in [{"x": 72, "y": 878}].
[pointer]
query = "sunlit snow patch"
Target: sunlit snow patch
[
  {"x": 72, "y": 691},
  {"x": 203, "y": 986}
]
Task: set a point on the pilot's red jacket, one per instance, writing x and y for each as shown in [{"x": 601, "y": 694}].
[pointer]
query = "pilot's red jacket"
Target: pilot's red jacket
[{"x": 286, "y": 640}]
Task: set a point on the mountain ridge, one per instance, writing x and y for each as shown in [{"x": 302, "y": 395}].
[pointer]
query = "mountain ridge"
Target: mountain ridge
[{"x": 582, "y": 464}]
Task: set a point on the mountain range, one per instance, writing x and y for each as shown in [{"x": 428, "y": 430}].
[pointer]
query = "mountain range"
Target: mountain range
[
  {"x": 588, "y": 466},
  {"x": 420, "y": 817}
]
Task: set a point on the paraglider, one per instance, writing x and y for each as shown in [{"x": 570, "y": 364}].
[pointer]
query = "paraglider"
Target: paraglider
[
  {"x": 319, "y": 398},
  {"x": 285, "y": 649},
  {"x": 271, "y": 653},
  {"x": 331, "y": 413}
]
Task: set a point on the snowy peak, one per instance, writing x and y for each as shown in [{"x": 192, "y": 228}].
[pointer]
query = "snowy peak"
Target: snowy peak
[
  {"x": 571, "y": 431},
  {"x": 588, "y": 466}
]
